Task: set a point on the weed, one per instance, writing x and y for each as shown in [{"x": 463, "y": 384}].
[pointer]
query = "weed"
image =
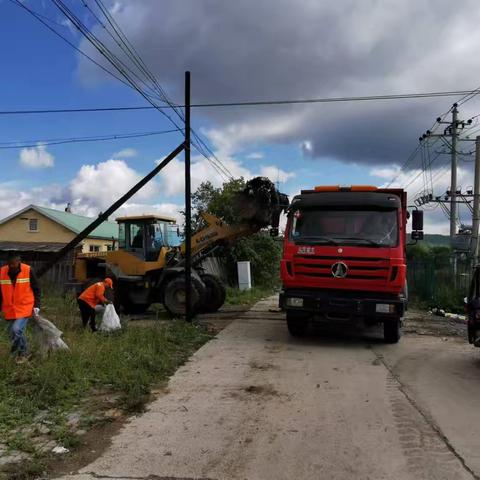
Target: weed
[
  {"x": 247, "y": 297},
  {"x": 26, "y": 470},
  {"x": 124, "y": 365}
]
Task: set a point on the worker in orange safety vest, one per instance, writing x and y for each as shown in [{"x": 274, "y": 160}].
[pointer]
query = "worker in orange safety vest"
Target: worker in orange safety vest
[
  {"x": 90, "y": 298},
  {"x": 19, "y": 301}
]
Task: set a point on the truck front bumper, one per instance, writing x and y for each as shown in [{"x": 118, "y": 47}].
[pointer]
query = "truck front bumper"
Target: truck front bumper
[{"x": 343, "y": 305}]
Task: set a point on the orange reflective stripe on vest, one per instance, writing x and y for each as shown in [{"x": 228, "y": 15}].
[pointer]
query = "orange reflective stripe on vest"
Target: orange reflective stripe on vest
[{"x": 17, "y": 300}]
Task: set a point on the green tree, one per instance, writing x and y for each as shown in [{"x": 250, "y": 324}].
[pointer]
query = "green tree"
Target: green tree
[
  {"x": 263, "y": 251},
  {"x": 419, "y": 251},
  {"x": 216, "y": 200}
]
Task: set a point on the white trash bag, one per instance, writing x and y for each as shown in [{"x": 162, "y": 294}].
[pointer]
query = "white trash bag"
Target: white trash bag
[
  {"x": 49, "y": 337},
  {"x": 99, "y": 308},
  {"x": 110, "y": 320}
]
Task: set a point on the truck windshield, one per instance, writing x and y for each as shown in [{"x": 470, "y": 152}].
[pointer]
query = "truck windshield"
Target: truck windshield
[{"x": 376, "y": 228}]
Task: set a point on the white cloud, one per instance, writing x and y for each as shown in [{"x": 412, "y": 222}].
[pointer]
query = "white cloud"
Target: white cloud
[
  {"x": 173, "y": 180},
  {"x": 13, "y": 197},
  {"x": 435, "y": 219},
  {"x": 386, "y": 173},
  {"x": 255, "y": 156},
  {"x": 126, "y": 153},
  {"x": 36, "y": 157},
  {"x": 172, "y": 210},
  {"x": 306, "y": 147},
  {"x": 98, "y": 186},
  {"x": 276, "y": 174}
]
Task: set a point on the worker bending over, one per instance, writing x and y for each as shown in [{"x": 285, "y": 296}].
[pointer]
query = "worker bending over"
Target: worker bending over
[
  {"x": 90, "y": 298},
  {"x": 19, "y": 301}
]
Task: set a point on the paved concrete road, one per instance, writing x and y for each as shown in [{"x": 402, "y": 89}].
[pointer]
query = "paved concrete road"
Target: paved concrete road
[{"x": 256, "y": 404}]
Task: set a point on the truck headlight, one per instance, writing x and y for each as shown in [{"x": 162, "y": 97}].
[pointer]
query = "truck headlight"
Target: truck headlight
[
  {"x": 294, "y": 302},
  {"x": 384, "y": 308}
]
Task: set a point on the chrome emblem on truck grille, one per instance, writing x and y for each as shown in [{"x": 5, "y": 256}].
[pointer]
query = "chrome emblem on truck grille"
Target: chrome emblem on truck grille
[{"x": 339, "y": 270}]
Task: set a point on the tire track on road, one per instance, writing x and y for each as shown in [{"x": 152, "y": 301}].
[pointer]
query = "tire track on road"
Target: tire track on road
[{"x": 422, "y": 437}]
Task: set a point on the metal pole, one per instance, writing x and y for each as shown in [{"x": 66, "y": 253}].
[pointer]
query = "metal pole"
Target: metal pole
[
  {"x": 476, "y": 203},
  {"x": 453, "y": 182},
  {"x": 188, "y": 206}
]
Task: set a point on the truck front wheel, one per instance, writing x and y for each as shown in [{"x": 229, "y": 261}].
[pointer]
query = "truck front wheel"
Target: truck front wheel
[
  {"x": 391, "y": 330},
  {"x": 297, "y": 324}
]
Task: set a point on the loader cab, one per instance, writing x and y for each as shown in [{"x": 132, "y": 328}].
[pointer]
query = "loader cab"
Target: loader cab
[{"x": 145, "y": 235}]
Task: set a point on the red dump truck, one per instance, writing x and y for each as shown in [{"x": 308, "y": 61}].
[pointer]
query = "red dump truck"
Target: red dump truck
[{"x": 344, "y": 257}]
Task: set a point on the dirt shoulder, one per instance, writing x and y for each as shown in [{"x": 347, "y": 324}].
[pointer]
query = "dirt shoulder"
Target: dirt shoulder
[{"x": 420, "y": 322}]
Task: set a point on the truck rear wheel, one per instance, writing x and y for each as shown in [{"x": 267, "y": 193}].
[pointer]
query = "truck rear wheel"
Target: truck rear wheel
[
  {"x": 175, "y": 297},
  {"x": 297, "y": 324},
  {"x": 214, "y": 296},
  {"x": 391, "y": 330}
]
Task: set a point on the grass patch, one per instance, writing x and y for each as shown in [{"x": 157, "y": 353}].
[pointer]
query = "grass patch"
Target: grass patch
[
  {"x": 125, "y": 365},
  {"x": 247, "y": 297}
]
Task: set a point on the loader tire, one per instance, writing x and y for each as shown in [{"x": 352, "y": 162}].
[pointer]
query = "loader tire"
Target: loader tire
[
  {"x": 214, "y": 296},
  {"x": 174, "y": 297}
]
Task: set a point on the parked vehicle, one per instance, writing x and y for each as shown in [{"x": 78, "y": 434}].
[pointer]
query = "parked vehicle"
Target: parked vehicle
[
  {"x": 344, "y": 257},
  {"x": 472, "y": 305}
]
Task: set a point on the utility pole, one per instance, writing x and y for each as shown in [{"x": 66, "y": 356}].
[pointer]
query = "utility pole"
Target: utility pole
[
  {"x": 476, "y": 203},
  {"x": 453, "y": 182},
  {"x": 188, "y": 206}
]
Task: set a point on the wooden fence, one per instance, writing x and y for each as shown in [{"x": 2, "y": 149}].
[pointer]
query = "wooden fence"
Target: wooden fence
[{"x": 57, "y": 276}]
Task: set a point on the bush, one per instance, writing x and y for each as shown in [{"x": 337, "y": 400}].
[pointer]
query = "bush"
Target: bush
[{"x": 264, "y": 254}]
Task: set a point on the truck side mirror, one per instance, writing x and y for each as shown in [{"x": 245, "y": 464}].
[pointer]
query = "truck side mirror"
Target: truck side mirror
[{"x": 417, "y": 220}]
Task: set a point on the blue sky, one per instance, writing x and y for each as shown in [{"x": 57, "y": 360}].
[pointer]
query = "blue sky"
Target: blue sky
[{"x": 300, "y": 146}]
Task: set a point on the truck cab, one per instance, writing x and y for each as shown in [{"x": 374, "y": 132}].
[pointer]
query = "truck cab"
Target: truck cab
[{"x": 344, "y": 258}]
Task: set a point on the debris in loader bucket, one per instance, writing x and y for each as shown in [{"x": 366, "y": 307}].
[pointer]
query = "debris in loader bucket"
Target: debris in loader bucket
[{"x": 260, "y": 203}]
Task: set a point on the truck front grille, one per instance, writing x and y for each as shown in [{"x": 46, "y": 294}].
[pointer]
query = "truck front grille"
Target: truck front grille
[{"x": 359, "y": 268}]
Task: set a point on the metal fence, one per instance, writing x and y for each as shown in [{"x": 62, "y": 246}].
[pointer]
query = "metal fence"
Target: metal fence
[{"x": 442, "y": 280}]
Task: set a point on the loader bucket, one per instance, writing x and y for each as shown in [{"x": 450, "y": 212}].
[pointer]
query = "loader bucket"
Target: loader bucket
[{"x": 260, "y": 203}]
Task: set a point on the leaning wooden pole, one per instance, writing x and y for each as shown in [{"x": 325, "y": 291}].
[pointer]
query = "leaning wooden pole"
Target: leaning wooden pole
[{"x": 188, "y": 207}]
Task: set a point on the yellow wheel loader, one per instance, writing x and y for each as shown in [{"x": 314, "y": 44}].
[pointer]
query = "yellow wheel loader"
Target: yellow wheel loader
[{"x": 148, "y": 266}]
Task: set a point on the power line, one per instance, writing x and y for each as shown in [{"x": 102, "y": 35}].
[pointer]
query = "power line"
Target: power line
[
  {"x": 420, "y": 173},
  {"x": 129, "y": 50},
  {"x": 120, "y": 67},
  {"x": 42, "y": 19},
  {"x": 235, "y": 104},
  {"x": 60, "y": 141}
]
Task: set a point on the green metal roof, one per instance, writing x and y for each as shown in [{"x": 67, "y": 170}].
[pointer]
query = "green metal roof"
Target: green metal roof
[{"x": 77, "y": 223}]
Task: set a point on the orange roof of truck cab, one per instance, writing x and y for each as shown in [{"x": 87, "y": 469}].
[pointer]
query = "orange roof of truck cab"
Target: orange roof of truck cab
[{"x": 340, "y": 188}]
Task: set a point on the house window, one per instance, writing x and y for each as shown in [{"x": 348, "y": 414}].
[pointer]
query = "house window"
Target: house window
[
  {"x": 94, "y": 248},
  {"x": 109, "y": 248},
  {"x": 33, "y": 225}
]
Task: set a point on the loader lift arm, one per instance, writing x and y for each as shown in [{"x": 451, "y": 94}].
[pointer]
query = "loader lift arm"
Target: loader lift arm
[{"x": 216, "y": 233}]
